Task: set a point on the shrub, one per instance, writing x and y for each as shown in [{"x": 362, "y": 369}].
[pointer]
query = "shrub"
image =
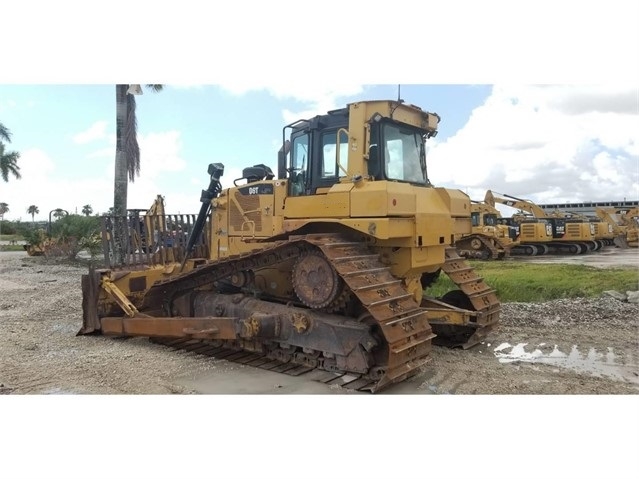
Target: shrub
[{"x": 73, "y": 233}]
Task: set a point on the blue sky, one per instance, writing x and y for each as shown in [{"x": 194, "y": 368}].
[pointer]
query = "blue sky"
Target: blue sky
[
  {"x": 65, "y": 134},
  {"x": 543, "y": 143}
]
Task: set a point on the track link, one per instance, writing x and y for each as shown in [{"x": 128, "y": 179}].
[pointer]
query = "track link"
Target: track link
[
  {"x": 391, "y": 307},
  {"x": 294, "y": 367},
  {"x": 482, "y": 297},
  {"x": 464, "y": 248}
]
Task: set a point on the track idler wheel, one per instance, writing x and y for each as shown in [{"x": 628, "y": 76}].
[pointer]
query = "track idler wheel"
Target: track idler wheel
[
  {"x": 476, "y": 244},
  {"x": 315, "y": 281},
  {"x": 455, "y": 335},
  {"x": 458, "y": 299}
]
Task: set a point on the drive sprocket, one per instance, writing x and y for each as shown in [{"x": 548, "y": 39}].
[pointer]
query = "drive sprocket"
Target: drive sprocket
[{"x": 315, "y": 281}]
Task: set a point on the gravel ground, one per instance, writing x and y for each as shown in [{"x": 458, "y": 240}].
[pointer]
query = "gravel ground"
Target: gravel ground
[{"x": 559, "y": 347}]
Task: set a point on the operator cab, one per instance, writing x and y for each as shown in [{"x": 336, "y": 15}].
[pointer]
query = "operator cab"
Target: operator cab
[{"x": 311, "y": 162}]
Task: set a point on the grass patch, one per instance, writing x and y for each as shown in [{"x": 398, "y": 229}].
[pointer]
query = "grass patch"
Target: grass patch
[
  {"x": 519, "y": 282},
  {"x": 11, "y": 238}
]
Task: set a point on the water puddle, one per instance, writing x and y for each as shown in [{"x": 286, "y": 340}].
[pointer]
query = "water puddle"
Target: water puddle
[
  {"x": 592, "y": 362},
  {"x": 57, "y": 390}
]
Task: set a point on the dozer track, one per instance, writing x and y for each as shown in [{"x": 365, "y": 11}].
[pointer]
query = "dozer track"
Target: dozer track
[
  {"x": 391, "y": 311},
  {"x": 268, "y": 362},
  {"x": 464, "y": 247},
  {"x": 473, "y": 295},
  {"x": 390, "y": 308}
]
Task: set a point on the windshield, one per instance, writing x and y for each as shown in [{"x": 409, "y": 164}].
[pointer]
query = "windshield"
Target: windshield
[
  {"x": 490, "y": 219},
  {"x": 404, "y": 154}
]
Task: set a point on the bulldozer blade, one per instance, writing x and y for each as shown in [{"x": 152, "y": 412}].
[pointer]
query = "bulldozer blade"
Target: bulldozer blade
[
  {"x": 620, "y": 241},
  {"x": 90, "y": 291},
  {"x": 170, "y": 327}
]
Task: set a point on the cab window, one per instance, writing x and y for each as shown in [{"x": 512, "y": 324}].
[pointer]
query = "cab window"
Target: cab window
[
  {"x": 299, "y": 165},
  {"x": 329, "y": 168}
]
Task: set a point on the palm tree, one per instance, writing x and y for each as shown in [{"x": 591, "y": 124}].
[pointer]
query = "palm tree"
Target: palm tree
[
  {"x": 33, "y": 210},
  {"x": 58, "y": 213},
  {"x": 87, "y": 210},
  {"x": 9, "y": 163},
  {"x": 5, "y": 134},
  {"x": 4, "y": 208},
  {"x": 127, "y": 150}
]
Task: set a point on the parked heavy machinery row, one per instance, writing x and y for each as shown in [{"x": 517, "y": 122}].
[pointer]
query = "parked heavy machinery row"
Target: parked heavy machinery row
[
  {"x": 324, "y": 268},
  {"x": 532, "y": 231}
]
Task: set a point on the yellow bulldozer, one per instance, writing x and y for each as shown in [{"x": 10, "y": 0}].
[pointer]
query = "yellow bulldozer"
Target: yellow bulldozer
[
  {"x": 321, "y": 270},
  {"x": 607, "y": 216},
  {"x": 490, "y": 238},
  {"x": 629, "y": 221}
]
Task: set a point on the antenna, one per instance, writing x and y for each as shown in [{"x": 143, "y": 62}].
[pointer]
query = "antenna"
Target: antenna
[{"x": 399, "y": 96}]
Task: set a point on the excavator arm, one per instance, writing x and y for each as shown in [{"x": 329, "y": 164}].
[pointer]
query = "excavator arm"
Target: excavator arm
[{"x": 514, "y": 202}]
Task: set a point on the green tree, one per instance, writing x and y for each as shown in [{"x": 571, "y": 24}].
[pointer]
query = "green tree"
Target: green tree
[
  {"x": 127, "y": 151},
  {"x": 59, "y": 213},
  {"x": 33, "y": 210},
  {"x": 9, "y": 163},
  {"x": 87, "y": 210},
  {"x": 5, "y": 134}
]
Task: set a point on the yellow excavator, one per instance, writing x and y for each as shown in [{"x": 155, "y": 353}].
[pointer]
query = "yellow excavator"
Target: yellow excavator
[
  {"x": 320, "y": 271},
  {"x": 552, "y": 233},
  {"x": 533, "y": 235},
  {"x": 603, "y": 231}
]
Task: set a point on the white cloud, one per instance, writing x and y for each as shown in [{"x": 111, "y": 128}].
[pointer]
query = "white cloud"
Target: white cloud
[
  {"x": 160, "y": 152},
  {"x": 102, "y": 153},
  {"x": 546, "y": 143},
  {"x": 35, "y": 163},
  {"x": 97, "y": 131},
  {"x": 41, "y": 186}
]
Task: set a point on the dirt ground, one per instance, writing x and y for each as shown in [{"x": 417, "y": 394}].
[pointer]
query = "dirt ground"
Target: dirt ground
[{"x": 559, "y": 347}]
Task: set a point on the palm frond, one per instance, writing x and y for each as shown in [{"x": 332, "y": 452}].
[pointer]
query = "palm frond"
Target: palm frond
[
  {"x": 5, "y": 134},
  {"x": 9, "y": 164},
  {"x": 156, "y": 88},
  {"x": 131, "y": 147}
]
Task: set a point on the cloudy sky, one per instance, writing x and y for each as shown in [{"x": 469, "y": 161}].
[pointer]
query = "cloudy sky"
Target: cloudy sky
[
  {"x": 545, "y": 143},
  {"x": 563, "y": 135}
]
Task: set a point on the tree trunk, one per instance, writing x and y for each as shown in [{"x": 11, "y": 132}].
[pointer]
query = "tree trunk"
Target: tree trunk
[
  {"x": 120, "y": 181},
  {"x": 120, "y": 186}
]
